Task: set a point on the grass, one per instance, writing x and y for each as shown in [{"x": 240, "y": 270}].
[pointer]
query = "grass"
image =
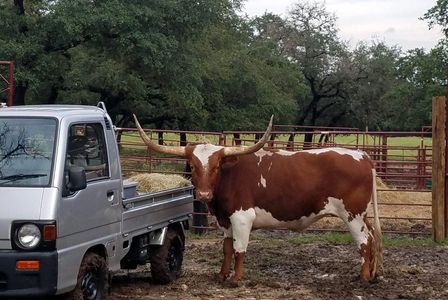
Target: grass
[{"x": 346, "y": 238}]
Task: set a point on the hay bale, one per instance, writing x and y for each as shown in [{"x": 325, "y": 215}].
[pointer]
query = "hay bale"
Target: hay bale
[
  {"x": 380, "y": 184},
  {"x": 155, "y": 182}
]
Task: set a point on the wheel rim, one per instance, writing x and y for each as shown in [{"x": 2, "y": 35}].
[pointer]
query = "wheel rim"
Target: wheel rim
[
  {"x": 173, "y": 258},
  {"x": 89, "y": 286}
]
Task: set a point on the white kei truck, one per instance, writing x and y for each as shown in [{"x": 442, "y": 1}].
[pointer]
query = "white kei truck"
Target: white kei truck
[{"x": 68, "y": 220}]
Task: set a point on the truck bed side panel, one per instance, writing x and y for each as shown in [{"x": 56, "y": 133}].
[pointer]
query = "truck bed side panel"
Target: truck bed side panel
[{"x": 148, "y": 212}]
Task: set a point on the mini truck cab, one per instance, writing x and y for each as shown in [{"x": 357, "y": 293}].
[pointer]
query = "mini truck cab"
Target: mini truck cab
[{"x": 66, "y": 220}]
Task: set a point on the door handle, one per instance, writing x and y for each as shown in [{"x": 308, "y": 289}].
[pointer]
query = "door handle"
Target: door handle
[{"x": 110, "y": 196}]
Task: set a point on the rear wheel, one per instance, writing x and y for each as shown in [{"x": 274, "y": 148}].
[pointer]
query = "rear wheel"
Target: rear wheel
[
  {"x": 92, "y": 279},
  {"x": 166, "y": 260}
]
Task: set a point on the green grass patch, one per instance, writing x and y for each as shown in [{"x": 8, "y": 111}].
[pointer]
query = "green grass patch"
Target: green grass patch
[
  {"x": 330, "y": 237},
  {"x": 405, "y": 240},
  {"x": 346, "y": 238},
  {"x": 214, "y": 234}
]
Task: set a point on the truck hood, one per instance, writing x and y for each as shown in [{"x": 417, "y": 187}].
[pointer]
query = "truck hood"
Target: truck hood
[{"x": 18, "y": 204}]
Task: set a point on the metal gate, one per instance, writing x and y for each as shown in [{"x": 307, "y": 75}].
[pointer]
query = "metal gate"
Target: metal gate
[{"x": 7, "y": 82}]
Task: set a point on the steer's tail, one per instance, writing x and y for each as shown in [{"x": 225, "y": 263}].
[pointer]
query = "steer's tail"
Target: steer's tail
[{"x": 376, "y": 261}]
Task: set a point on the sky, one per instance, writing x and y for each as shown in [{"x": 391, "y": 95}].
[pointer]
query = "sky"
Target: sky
[{"x": 394, "y": 21}]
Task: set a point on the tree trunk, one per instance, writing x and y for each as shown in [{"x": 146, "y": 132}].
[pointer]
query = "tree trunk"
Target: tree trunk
[
  {"x": 53, "y": 95},
  {"x": 183, "y": 139},
  {"x": 160, "y": 139},
  {"x": 308, "y": 139},
  {"x": 20, "y": 7},
  {"x": 237, "y": 139},
  {"x": 19, "y": 94}
]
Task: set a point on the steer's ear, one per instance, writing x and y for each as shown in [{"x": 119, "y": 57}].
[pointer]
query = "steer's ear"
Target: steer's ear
[{"x": 229, "y": 161}]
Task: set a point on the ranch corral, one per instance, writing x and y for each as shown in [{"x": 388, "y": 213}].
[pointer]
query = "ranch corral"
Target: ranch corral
[
  {"x": 403, "y": 161},
  {"x": 286, "y": 265},
  {"x": 282, "y": 264}
]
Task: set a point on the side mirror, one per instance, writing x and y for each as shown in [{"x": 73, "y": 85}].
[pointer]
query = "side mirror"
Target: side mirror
[{"x": 76, "y": 180}]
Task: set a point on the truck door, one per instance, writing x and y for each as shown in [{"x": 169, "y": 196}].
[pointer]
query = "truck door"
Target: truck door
[{"x": 92, "y": 215}]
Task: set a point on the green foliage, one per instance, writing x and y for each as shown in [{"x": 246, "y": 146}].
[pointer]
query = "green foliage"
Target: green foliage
[
  {"x": 421, "y": 76},
  {"x": 438, "y": 15},
  {"x": 245, "y": 81},
  {"x": 308, "y": 38},
  {"x": 375, "y": 70},
  {"x": 200, "y": 65}
]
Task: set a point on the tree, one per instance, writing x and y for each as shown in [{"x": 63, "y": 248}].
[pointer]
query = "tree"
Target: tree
[
  {"x": 21, "y": 38},
  {"x": 375, "y": 76},
  {"x": 438, "y": 15},
  {"x": 422, "y": 75},
  {"x": 134, "y": 56},
  {"x": 245, "y": 79},
  {"x": 308, "y": 38}
]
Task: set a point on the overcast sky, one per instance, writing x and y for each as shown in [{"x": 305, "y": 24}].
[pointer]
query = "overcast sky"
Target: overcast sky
[{"x": 394, "y": 21}]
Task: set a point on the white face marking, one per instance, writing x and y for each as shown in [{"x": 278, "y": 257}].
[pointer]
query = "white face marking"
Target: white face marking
[
  {"x": 260, "y": 153},
  {"x": 241, "y": 226},
  {"x": 263, "y": 181},
  {"x": 204, "y": 151},
  {"x": 357, "y": 155}
]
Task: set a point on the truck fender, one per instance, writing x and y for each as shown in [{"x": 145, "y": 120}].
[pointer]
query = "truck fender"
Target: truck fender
[{"x": 157, "y": 237}]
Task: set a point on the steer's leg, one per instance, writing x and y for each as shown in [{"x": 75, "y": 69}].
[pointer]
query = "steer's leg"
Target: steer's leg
[
  {"x": 227, "y": 261},
  {"x": 242, "y": 221},
  {"x": 362, "y": 235},
  {"x": 228, "y": 253}
]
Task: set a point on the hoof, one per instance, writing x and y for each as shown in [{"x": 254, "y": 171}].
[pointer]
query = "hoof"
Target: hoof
[
  {"x": 369, "y": 280},
  {"x": 221, "y": 277},
  {"x": 232, "y": 283}
]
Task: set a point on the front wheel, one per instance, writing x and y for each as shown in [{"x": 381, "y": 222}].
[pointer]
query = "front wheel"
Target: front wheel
[
  {"x": 166, "y": 260},
  {"x": 92, "y": 279}
]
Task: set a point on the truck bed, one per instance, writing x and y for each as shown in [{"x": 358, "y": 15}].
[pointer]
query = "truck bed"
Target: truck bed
[{"x": 156, "y": 210}]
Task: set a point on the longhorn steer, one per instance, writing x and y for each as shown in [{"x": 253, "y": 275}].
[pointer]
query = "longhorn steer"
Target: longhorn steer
[{"x": 248, "y": 188}]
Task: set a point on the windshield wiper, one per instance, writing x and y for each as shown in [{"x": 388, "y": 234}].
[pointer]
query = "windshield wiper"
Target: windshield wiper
[{"x": 16, "y": 177}]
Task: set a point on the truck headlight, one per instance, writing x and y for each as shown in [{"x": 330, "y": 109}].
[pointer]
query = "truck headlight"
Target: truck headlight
[{"x": 28, "y": 236}]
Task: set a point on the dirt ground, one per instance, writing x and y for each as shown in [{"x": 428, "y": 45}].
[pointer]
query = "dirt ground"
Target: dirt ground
[{"x": 279, "y": 267}]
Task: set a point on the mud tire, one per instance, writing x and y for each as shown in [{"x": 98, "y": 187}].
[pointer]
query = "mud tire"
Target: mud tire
[
  {"x": 166, "y": 260},
  {"x": 92, "y": 279}
]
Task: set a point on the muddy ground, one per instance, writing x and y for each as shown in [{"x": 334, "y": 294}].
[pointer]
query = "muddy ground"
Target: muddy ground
[{"x": 279, "y": 266}]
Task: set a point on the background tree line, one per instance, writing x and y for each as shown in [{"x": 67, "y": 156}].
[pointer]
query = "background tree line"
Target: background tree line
[{"x": 202, "y": 64}]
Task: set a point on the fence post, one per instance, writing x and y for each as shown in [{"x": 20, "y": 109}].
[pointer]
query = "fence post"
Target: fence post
[{"x": 439, "y": 168}]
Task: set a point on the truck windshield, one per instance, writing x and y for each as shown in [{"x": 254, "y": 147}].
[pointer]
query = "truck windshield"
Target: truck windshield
[{"x": 26, "y": 151}]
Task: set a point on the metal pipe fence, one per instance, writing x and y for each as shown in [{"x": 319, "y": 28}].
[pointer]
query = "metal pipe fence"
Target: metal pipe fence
[
  {"x": 7, "y": 82},
  {"x": 404, "y": 170}
]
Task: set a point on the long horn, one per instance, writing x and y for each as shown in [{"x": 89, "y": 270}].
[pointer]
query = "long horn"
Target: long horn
[
  {"x": 231, "y": 151},
  {"x": 176, "y": 150}
]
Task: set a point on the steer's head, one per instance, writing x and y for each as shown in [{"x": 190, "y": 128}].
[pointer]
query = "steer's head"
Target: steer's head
[{"x": 205, "y": 160}]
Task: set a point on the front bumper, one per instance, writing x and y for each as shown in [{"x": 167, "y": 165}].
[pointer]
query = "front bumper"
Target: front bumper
[{"x": 18, "y": 283}]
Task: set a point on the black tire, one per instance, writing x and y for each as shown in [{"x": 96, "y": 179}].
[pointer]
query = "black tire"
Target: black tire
[
  {"x": 166, "y": 260},
  {"x": 92, "y": 279}
]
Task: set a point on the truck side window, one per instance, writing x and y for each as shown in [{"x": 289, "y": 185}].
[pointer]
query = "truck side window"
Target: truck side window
[{"x": 87, "y": 148}]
